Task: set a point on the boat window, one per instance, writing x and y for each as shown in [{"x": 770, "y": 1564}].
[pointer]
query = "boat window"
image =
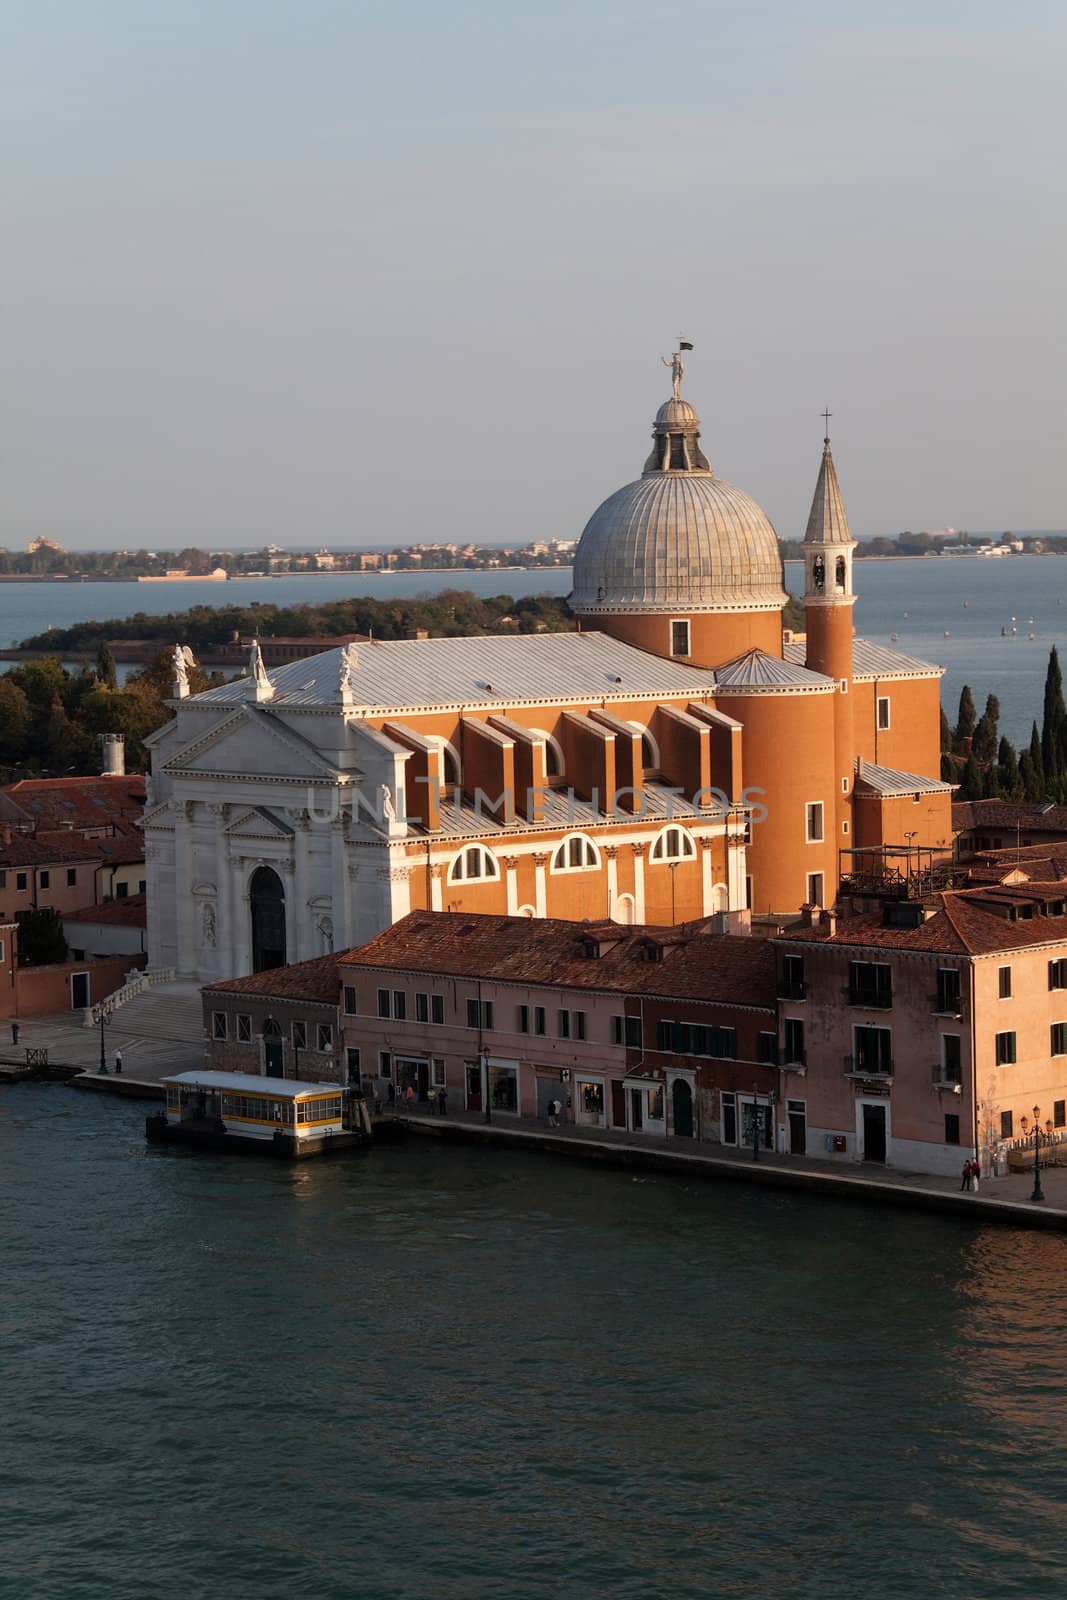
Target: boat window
[{"x": 326, "y": 1109}]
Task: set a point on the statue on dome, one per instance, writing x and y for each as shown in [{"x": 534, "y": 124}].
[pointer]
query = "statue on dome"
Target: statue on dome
[{"x": 677, "y": 371}]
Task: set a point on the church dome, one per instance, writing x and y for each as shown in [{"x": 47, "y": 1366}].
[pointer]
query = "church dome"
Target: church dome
[{"x": 678, "y": 538}]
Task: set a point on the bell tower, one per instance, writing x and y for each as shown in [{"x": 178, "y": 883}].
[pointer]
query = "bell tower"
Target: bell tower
[{"x": 828, "y": 602}]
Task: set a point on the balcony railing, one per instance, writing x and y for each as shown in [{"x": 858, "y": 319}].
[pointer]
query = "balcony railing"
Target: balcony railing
[{"x": 860, "y": 1067}]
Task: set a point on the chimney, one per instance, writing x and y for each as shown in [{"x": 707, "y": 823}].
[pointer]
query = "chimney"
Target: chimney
[
  {"x": 810, "y": 916},
  {"x": 114, "y": 755},
  {"x": 828, "y": 922}
]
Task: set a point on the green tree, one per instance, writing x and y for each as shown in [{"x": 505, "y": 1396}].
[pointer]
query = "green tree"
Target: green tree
[
  {"x": 1055, "y": 714},
  {"x": 970, "y": 781},
  {"x": 1032, "y": 776},
  {"x": 946, "y": 733},
  {"x": 984, "y": 743},
  {"x": 40, "y": 938},
  {"x": 15, "y": 720},
  {"x": 1011, "y": 783},
  {"x": 965, "y": 721},
  {"x": 106, "y": 671}
]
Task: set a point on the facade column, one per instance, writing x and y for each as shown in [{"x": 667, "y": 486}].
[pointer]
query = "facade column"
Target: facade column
[
  {"x": 612, "y": 853},
  {"x": 284, "y": 869},
  {"x": 223, "y": 913},
  {"x": 736, "y": 868},
  {"x": 342, "y": 910},
  {"x": 306, "y": 941},
  {"x": 183, "y": 884},
  {"x": 437, "y": 898},
  {"x": 511, "y": 884},
  {"x": 639, "y": 881},
  {"x": 540, "y": 885},
  {"x": 240, "y": 917}
]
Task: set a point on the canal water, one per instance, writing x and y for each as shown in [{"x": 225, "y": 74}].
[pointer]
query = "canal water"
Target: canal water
[{"x": 475, "y": 1375}]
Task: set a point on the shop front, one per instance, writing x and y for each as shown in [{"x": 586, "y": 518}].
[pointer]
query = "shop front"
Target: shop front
[
  {"x": 646, "y": 1106},
  {"x": 590, "y": 1101}
]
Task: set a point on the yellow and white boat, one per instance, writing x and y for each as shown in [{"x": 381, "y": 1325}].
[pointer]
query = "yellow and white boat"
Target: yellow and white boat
[{"x": 282, "y": 1116}]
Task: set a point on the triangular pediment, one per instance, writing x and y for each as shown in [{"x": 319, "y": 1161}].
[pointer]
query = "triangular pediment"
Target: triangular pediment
[
  {"x": 251, "y": 743},
  {"x": 259, "y": 823}
]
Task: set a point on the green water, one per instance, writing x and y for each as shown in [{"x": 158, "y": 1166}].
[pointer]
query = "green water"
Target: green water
[{"x": 442, "y": 1373}]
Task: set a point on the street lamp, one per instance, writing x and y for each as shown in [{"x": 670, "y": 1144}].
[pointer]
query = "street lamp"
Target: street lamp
[
  {"x": 755, "y": 1122},
  {"x": 485, "y": 1099},
  {"x": 102, "y": 1013},
  {"x": 1039, "y": 1193}
]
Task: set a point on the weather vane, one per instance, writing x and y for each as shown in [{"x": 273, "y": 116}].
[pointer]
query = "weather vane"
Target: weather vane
[{"x": 677, "y": 366}]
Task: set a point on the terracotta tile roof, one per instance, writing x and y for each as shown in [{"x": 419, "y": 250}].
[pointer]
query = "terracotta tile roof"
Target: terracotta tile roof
[
  {"x": 130, "y": 912},
  {"x": 117, "y": 849},
  {"x": 728, "y": 969},
  {"x": 315, "y": 981},
  {"x": 29, "y": 851},
  {"x": 1009, "y": 816},
  {"x": 87, "y": 802},
  {"x": 966, "y": 922}
]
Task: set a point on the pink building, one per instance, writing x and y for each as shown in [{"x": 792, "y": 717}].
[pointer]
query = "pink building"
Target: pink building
[{"x": 918, "y": 1033}]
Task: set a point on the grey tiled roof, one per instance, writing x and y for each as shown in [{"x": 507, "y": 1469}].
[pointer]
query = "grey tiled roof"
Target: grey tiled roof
[
  {"x": 405, "y": 674},
  {"x": 888, "y": 781},
  {"x": 562, "y": 809},
  {"x": 757, "y": 670},
  {"x": 870, "y": 660}
]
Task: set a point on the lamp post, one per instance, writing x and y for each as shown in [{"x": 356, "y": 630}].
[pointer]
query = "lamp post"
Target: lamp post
[
  {"x": 755, "y": 1122},
  {"x": 485, "y": 1097},
  {"x": 908, "y": 837},
  {"x": 102, "y": 1013},
  {"x": 1039, "y": 1193}
]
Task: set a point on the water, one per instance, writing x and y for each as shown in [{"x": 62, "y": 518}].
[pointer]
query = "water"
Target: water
[
  {"x": 474, "y": 1375},
  {"x": 932, "y": 592}
]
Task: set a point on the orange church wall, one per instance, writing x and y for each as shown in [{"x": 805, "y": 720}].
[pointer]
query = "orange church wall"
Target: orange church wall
[
  {"x": 789, "y": 754},
  {"x": 688, "y": 900},
  {"x": 829, "y": 640},
  {"x": 888, "y": 819},
  {"x": 912, "y": 742},
  {"x": 714, "y": 637}
]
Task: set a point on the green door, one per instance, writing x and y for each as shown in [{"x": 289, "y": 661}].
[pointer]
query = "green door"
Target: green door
[
  {"x": 682, "y": 1106},
  {"x": 274, "y": 1058}
]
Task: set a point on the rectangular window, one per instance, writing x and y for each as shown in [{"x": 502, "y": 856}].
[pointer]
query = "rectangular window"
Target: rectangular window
[
  {"x": 3, "y": 880},
  {"x": 219, "y": 1029},
  {"x": 870, "y": 984},
  {"x": 438, "y": 1072},
  {"x": 123, "y": 889},
  {"x": 844, "y": 827},
  {"x": 883, "y": 712},
  {"x": 383, "y": 1002},
  {"x": 20, "y": 880},
  {"x": 539, "y": 1020},
  {"x": 422, "y": 1008},
  {"x": 792, "y": 978},
  {"x": 350, "y": 1000},
  {"x": 873, "y": 1056},
  {"x": 814, "y": 821},
  {"x": 1057, "y": 1039},
  {"x": 400, "y": 1005},
  {"x": 951, "y": 1058},
  {"x": 948, "y": 991},
  {"x": 952, "y": 1127},
  {"x": 479, "y": 1016},
  {"x": 437, "y": 1008},
  {"x": 244, "y": 1029},
  {"x": 523, "y": 1018},
  {"x": 844, "y": 786},
  {"x": 300, "y": 1035},
  {"x": 385, "y": 1064},
  {"x": 815, "y": 889},
  {"x": 1005, "y": 1125},
  {"x": 352, "y": 1065},
  {"x": 1057, "y": 974},
  {"x": 1004, "y": 982},
  {"x": 473, "y": 1017},
  {"x": 1005, "y": 1049},
  {"x": 1059, "y": 1113},
  {"x": 45, "y": 880},
  {"x": 324, "y": 1036},
  {"x": 679, "y": 638},
  {"x": 563, "y": 1024},
  {"x": 72, "y": 877},
  {"x": 578, "y": 1024},
  {"x": 768, "y": 1048},
  {"x": 794, "y": 1040},
  {"x": 729, "y": 1119},
  {"x": 626, "y": 1031}
]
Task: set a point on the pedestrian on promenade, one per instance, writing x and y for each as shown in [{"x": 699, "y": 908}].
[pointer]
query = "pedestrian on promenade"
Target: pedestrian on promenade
[
  {"x": 118, "y": 1062},
  {"x": 409, "y": 1098},
  {"x": 553, "y": 1112},
  {"x": 14, "y": 1033},
  {"x": 976, "y": 1173},
  {"x": 391, "y": 1094},
  {"x": 966, "y": 1184},
  {"x": 442, "y": 1102}
]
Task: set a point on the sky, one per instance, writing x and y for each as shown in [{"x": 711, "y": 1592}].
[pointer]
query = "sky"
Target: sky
[{"x": 363, "y": 274}]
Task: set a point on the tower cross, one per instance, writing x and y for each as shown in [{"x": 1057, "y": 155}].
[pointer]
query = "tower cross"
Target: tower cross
[{"x": 826, "y": 415}]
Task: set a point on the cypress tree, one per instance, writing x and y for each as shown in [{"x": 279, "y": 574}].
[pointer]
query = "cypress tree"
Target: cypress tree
[
  {"x": 1052, "y": 722},
  {"x": 1031, "y": 777},
  {"x": 1037, "y": 758},
  {"x": 984, "y": 743},
  {"x": 965, "y": 721},
  {"x": 106, "y": 673},
  {"x": 946, "y": 733},
  {"x": 971, "y": 781},
  {"x": 1011, "y": 787}
]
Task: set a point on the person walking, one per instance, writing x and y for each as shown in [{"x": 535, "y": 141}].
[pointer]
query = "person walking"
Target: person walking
[
  {"x": 966, "y": 1184},
  {"x": 390, "y": 1095},
  {"x": 553, "y": 1112},
  {"x": 118, "y": 1062},
  {"x": 409, "y": 1098},
  {"x": 442, "y": 1102},
  {"x": 976, "y": 1173},
  {"x": 14, "y": 1033}
]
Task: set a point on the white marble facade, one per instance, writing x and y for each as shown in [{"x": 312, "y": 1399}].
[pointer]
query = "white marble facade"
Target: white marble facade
[{"x": 236, "y": 788}]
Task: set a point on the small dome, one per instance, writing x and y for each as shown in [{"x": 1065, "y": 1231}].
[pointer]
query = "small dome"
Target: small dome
[{"x": 678, "y": 538}]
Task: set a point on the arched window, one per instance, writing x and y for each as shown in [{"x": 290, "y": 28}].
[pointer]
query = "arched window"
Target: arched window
[
  {"x": 674, "y": 844},
  {"x": 474, "y": 864},
  {"x": 553, "y": 754},
  {"x": 450, "y": 769},
  {"x": 649, "y": 748},
  {"x": 577, "y": 853},
  {"x": 266, "y": 899}
]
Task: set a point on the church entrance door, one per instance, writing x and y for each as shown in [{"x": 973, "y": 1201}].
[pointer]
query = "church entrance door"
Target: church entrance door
[{"x": 267, "y": 903}]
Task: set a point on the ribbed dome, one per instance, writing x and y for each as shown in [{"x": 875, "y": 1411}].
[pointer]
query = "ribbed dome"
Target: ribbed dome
[{"x": 678, "y": 538}]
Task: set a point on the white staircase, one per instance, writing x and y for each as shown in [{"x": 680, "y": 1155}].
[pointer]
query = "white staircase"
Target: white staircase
[{"x": 170, "y": 1012}]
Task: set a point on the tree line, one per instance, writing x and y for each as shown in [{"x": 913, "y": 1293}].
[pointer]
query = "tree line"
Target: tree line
[{"x": 986, "y": 766}]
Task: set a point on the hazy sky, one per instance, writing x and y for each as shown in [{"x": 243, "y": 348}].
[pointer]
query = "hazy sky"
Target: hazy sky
[{"x": 334, "y": 271}]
